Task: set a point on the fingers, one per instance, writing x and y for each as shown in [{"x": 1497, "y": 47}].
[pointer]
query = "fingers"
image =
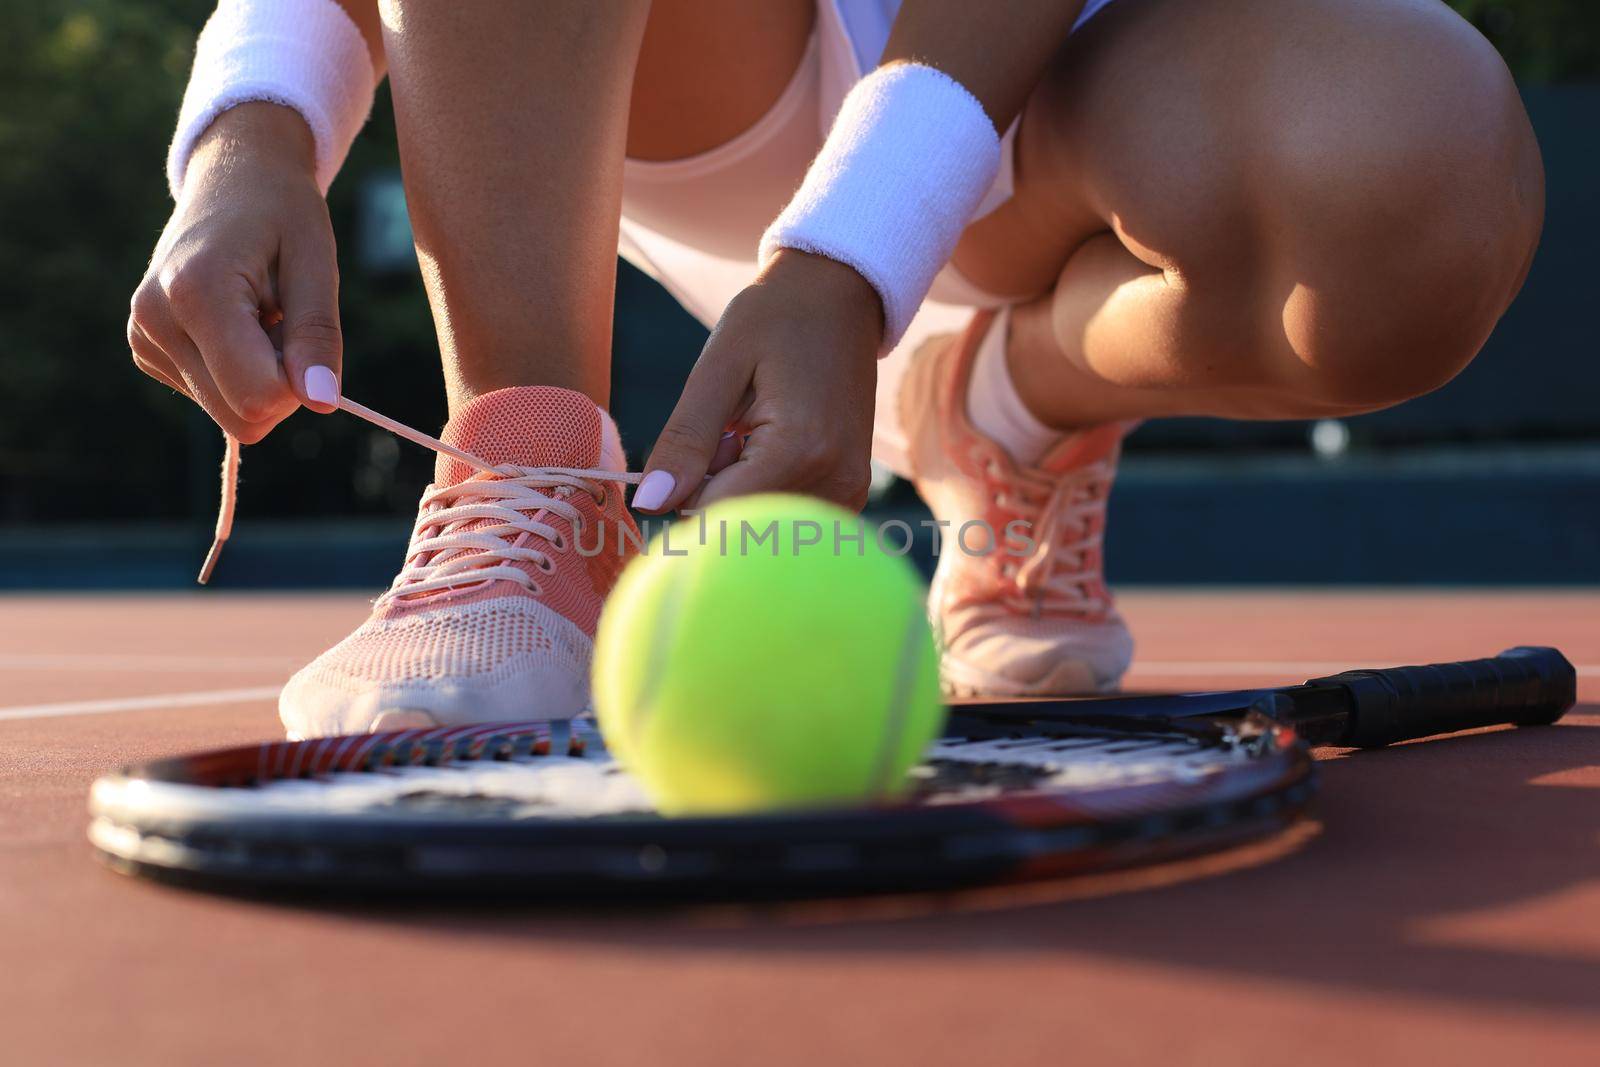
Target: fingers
[
  {"x": 727, "y": 454},
  {"x": 728, "y": 450},
  {"x": 783, "y": 366},
  {"x": 693, "y": 435},
  {"x": 774, "y": 461},
  {"x": 163, "y": 350},
  {"x": 206, "y": 316},
  {"x": 150, "y": 359},
  {"x": 313, "y": 345},
  {"x": 240, "y": 307}
]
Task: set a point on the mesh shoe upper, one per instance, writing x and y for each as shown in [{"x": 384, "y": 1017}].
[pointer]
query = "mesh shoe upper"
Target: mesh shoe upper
[{"x": 493, "y": 615}]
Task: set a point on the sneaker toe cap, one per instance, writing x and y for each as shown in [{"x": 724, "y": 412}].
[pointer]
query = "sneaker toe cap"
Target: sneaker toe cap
[
  {"x": 1028, "y": 657},
  {"x": 498, "y": 660}
]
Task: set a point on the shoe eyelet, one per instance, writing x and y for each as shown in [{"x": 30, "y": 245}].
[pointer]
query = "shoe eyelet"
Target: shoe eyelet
[
  {"x": 559, "y": 543},
  {"x": 600, "y": 501},
  {"x": 546, "y": 566}
]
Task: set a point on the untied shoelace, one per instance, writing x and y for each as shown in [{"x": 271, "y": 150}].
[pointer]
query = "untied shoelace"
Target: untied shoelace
[{"x": 443, "y": 553}]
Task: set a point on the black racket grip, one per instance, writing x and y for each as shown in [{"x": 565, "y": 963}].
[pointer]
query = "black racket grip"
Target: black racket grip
[{"x": 1526, "y": 685}]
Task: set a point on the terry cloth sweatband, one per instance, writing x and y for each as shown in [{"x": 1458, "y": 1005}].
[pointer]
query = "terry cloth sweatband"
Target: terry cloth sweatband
[
  {"x": 303, "y": 54},
  {"x": 903, "y": 170}
]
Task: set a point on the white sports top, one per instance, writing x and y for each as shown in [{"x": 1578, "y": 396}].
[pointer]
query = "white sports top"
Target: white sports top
[{"x": 720, "y": 201}]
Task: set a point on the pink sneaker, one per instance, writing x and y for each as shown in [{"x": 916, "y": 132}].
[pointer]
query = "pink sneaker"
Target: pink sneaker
[
  {"x": 1009, "y": 624},
  {"x": 493, "y": 616}
]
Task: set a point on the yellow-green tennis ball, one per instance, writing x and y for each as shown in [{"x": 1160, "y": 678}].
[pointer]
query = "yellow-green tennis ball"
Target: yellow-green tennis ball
[{"x": 785, "y": 662}]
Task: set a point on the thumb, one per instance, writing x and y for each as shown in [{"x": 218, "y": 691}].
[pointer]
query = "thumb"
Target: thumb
[
  {"x": 313, "y": 345},
  {"x": 690, "y": 439}
]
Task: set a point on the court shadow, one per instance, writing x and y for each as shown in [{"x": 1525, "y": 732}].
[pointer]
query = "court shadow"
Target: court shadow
[{"x": 1465, "y": 867}]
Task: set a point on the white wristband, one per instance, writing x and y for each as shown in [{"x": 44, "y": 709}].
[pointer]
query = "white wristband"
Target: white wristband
[
  {"x": 904, "y": 168},
  {"x": 303, "y": 54}
]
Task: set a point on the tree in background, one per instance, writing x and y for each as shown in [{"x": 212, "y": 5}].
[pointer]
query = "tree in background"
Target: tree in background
[{"x": 1542, "y": 40}]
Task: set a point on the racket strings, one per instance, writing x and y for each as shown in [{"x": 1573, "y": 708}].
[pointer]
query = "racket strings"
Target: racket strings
[
  {"x": 561, "y": 770},
  {"x": 1079, "y": 763}
]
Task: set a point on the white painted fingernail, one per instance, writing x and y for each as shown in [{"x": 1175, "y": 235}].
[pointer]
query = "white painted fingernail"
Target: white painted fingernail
[
  {"x": 321, "y": 386},
  {"x": 654, "y": 490}
]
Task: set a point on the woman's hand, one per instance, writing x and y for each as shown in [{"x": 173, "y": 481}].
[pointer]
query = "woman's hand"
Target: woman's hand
[
  {"x": 244, "y": 269},
  {"x": 792, "y": 364}
]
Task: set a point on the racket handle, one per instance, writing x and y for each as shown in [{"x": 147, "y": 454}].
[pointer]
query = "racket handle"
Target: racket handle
[{"x": 1527, "y": 686}]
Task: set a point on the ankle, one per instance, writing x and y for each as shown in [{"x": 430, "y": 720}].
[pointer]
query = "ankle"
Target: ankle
[
  {"x": 1060, "y": 394},
  {"x": 994, "y": 406},
  {"x": 467, "y": 380}
]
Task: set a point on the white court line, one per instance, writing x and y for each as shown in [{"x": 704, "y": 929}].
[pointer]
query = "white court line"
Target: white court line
[
  {"x": 139, "y": 662},
  {"x": 159, "y": 700},
  {"x": 1307, "y": 668}
]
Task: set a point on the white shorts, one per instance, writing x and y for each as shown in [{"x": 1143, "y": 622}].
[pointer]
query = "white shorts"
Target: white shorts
[{"x": 693, "y": 224}]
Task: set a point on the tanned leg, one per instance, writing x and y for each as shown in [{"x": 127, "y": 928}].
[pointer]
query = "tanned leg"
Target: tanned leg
[
  {"x": 1261, "y": 209},
  {"x": 512, "y": 122}
]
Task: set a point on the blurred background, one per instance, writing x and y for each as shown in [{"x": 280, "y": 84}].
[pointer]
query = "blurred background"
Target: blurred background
[{"x": 108, "y": 480}]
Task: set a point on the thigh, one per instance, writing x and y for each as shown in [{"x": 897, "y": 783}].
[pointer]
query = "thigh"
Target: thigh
[
  {"x": 709, "y": 69},
  {"x": 1200, "y": 132}
]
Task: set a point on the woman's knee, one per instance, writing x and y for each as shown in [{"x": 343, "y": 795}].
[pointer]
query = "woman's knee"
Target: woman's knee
[{"x": 1390, "y": 229}]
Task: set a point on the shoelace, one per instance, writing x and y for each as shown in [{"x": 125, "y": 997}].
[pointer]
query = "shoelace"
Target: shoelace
[
  {"x": 1061, "y": 574},
  {"x": 444, "y": 552}
]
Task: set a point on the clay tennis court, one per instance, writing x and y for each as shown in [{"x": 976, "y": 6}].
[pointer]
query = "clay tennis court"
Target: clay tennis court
[{"x": 1448, "y": 911}]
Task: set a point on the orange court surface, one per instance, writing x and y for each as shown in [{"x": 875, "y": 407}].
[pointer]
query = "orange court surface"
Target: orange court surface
[{"x": 1448, "y": 911}]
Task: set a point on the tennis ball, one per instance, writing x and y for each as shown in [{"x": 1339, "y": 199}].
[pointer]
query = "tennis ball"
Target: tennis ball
[{"x": 762, "y": 656}]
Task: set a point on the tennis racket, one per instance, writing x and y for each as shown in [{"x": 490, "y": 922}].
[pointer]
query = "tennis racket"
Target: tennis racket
[{"x": 1012, "y": 791}]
